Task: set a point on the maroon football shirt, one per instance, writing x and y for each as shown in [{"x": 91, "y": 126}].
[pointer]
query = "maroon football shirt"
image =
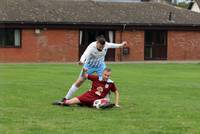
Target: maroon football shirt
[{"x": 99, "y": 87}]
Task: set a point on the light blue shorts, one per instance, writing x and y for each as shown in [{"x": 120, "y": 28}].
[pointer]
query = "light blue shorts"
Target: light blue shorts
[{"x": 91, "y": 70}]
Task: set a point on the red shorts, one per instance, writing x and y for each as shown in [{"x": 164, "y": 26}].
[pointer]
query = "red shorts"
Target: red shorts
[{"x": 88, "y": 98}]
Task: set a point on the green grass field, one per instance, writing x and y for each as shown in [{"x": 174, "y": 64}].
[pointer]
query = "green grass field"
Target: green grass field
[{"x": 155, "y": 99}]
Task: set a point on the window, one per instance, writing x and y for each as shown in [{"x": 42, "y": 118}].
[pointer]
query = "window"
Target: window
[{"x": 10, "y": 38}]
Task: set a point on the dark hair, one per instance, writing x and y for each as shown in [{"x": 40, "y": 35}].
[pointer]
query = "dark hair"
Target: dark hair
[
  {"x": 101, "y": 39},
  {"x": 107, "y": 69}
]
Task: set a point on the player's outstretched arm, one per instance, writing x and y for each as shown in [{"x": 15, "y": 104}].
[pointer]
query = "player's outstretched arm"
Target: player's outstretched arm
[
  {"x": 124, "y": 43},
  {"x": 116, "y": 98},
  {"x": 115, "y": 45}
]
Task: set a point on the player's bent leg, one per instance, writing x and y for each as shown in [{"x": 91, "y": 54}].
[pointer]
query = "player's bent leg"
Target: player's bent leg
[
  {"x": 74, "y": 87},
  {"x": 79, "y": 82},
  {"x": 72, "y": 101},
  {"x": 71, "y": 91},
  {"x": 100, "y": 69},
  {"x": 107, "y": 96}
]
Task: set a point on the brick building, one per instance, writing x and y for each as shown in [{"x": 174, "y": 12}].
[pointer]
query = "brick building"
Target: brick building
[{"x": 60, "y": 30}]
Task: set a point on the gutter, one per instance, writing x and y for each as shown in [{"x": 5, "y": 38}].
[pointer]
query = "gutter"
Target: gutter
[
  {"x": 89, "y": 25},
  {"x": 124, "y": 25}
]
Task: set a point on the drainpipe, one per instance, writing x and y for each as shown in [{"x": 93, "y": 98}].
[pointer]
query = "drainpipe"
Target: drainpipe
[{"x": 121, "y": 39}]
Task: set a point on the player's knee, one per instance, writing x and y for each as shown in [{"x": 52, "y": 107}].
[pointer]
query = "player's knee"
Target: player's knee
[{"x": 79, "y": 82}]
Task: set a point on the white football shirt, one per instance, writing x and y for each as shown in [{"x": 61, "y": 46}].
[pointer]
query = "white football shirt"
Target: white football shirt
[{"x": 95, "y": 58}]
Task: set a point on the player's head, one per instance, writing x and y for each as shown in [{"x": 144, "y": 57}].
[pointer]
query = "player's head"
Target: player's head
[
  {"x": 100, "y": 42},
  {"x": 106, "y": 74}
]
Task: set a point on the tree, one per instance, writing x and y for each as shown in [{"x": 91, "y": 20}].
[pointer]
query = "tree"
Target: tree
[
  {"x": 168, "y": 1},
  {"x": 183, "y": 5}
]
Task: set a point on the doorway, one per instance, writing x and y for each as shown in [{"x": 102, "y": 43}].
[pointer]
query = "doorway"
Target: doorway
[{"x": 155, "y": 47}]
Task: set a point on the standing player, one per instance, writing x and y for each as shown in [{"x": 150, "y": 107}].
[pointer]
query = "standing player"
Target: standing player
[
  {"x": 93, "y": 60},
  {"x": 101, "y": 86}
]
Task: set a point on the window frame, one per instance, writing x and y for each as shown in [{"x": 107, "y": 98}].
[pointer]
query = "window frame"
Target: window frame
[{"x": 13, "y": 45}]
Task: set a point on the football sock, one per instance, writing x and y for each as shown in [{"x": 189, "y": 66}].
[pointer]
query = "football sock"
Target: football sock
[{"x": 71, "y": 91}]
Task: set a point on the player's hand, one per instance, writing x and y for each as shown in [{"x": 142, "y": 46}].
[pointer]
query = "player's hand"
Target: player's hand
[
  {"x": 124, "y": 43},
  {"x": 80, "y": 63}
]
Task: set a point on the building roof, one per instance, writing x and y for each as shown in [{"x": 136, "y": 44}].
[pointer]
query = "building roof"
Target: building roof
[{"x": 94, "y": 12}]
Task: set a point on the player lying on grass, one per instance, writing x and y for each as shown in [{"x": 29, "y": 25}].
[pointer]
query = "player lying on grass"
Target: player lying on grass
[
  {"x": 101, "y": 86},
  {"x": 93, "y": 60}
]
